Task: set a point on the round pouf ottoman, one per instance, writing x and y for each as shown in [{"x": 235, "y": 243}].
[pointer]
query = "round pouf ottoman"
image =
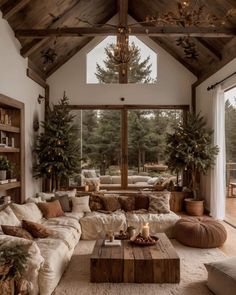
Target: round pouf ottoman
[{"x": 200, "y": 232}]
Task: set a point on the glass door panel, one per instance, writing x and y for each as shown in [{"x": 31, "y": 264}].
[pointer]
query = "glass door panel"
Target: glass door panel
[
  {"x": 146, "y": 145},
  {"x": 99, "y": 132}
]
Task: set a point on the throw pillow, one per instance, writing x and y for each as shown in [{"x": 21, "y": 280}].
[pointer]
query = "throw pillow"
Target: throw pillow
[
  {"x": 37, "y": 230},
  {"x": 70, "y": 193},
  {"x": 159, "y": 203},
  {"x": 95, "y": 202},
  {"x": 141, "y": 202},
  {"x": 111, "y": 202},
  {"x": 127, "y": 203},
  {"x": 29, "y": 211},
  {"x": 8, "y": 217},
  {"x": 80, "y": 204},
  {"x": 16, "y": 231},
  {"x": 51, "y": 209},
  {"x": 64, "y": 202}
]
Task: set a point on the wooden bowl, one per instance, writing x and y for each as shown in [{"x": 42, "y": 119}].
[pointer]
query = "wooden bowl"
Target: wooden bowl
[{"x": 148, "y": 242}]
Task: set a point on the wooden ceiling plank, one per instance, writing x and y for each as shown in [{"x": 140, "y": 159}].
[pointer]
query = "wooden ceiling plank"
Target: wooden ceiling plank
[
  {"x": 30, "y": 48},
  {"x": 12, "y": 7},
  {"x": 68, "y": 56},
  {"x": 148, "y": 31},
  {"x": 211, "y": 50},
  {"x": 228, "y": 54}
]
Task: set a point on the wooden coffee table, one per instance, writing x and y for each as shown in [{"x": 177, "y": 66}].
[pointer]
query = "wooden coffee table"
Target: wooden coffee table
[{"x": 129, "y": 263}]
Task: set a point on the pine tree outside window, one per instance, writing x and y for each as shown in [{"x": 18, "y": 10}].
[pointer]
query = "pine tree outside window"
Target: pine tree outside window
[{"x": 142, "y": 67}]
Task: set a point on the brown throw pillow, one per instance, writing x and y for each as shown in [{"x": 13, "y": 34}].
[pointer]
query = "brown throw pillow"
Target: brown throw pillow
[
  {"x": 159, "y": 203},
  {"x": 127, "y": 203},
  {"x": 65, "y": 203},
  {"x": 111, "y": 202},
  {"x": 95, "y": 202},
  {"x": 141, "y": 202},
  {"x": 51, "y": 209},
  {"x": 16, "y": 231},
  {"x": 37, "y": 230}
]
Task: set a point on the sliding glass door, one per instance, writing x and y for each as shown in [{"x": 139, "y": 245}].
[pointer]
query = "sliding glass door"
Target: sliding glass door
[
  {"x": 124, "y": 147},
  {"x": 100, "y": 146},
  {"x": 147, "y": 129},
  {"x": 230, "y": 140}
]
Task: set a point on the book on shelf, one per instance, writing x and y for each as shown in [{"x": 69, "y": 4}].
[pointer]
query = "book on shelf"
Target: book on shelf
[
  {"x": 4, "y": 181},
  {"x": 113, "y": 243}
]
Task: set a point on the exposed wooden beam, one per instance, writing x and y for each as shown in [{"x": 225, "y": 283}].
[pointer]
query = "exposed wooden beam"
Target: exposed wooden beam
[
  {"x": 13, "y": 6},
  {"x": 228, "y": 54},
  {"x": 36, "y": 69},
  {"x": 108, "y": 30},
  {"x": 47, "y": 101},
  {"x": 30, "y": 48},
  {"x": 68, "y": 56},
  {"x": 211, "y": 50},
  {"x": 36, "y": 78},
  {"x": 123, "y": 22}
]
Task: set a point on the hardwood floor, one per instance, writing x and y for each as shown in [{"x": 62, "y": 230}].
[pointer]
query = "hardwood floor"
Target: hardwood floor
[
  {"x": 230, "y": 210},
  {"x": 229, "y": 246}
]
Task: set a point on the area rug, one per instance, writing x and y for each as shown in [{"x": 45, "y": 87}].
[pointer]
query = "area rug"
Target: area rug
[{"x": 75, "y": 280}]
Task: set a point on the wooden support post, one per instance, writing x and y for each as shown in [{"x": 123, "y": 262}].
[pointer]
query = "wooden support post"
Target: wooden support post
[
  {"x": 124, "y": 148},
  {"x": 122, "y": 38}
]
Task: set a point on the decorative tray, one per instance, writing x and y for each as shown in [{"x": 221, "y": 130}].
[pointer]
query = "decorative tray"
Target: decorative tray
[
  {"x": 123, "y": 236},
  {"x": 139, "y": 240}
]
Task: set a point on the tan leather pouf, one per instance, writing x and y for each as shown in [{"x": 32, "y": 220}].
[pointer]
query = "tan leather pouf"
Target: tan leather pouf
[{"x": 200, "y": 232}]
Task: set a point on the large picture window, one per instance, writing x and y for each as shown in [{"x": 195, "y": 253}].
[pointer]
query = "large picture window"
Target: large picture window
[{"x": 123, "y": 147}]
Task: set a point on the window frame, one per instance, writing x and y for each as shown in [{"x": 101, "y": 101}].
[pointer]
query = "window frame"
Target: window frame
[{"x": 124, "y": 132}]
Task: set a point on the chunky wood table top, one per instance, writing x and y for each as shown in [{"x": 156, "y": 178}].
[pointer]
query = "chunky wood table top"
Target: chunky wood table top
[{"x": 130, "y": 263}]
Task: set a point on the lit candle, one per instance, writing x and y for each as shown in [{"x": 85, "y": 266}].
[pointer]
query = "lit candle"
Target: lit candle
[{"x": 145, "y": 231}]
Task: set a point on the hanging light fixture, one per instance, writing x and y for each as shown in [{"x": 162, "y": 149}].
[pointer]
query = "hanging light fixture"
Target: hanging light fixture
[{"x": 189, "y": 13}]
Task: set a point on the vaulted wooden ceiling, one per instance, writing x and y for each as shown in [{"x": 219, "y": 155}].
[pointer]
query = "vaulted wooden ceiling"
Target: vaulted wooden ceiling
[{"x": 54, "y": 14}]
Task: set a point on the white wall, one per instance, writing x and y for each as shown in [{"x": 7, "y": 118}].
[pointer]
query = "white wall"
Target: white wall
[
  {"x": 204, "y": 104},
  {"x": 15, "y": 84},
  {"x": 173, "y": 86}
]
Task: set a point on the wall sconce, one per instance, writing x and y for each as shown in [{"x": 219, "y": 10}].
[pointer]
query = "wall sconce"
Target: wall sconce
[{"x": 40, "y": 98}]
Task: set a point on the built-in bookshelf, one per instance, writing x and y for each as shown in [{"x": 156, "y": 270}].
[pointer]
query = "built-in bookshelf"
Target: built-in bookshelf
[{"x": 12, "y": 146}]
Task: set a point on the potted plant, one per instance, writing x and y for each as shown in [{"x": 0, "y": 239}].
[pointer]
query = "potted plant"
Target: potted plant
[
  {"x": 13, "y": 261},
  {"x": 189, "y": 148},
  {"x": 4, "y": 167}
]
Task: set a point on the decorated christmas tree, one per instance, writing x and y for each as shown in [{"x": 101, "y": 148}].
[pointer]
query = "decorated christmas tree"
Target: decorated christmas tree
[{"x": 57, "y": 148}]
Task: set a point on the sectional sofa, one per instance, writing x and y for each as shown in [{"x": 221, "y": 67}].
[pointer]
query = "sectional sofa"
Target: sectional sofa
[{"x": 50, "y": 256}]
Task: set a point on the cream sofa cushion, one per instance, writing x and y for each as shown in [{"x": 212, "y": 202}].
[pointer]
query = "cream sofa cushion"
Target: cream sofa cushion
[
  {"x": 105, "y": 179},
  {"x": 140, "y": 178},
  {"x": 222, "y": 276},
  {"x": 158, "y": 223},
  {"x": 80, "y": 204},
  {"x": 29, "y": 211},
  {"x": 8, "y": 217},
  {"x": 116, "y": 179},
  {"x": 95, "y": 225}
]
